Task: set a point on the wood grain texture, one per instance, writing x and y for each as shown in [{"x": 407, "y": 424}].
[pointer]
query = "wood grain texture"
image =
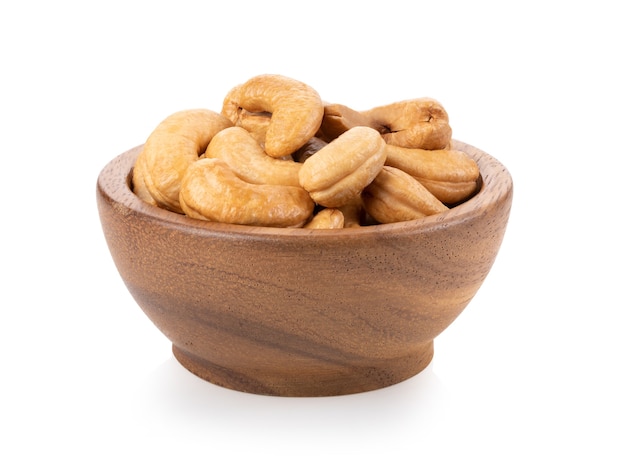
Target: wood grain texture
[{"x": 297, "y": 312}]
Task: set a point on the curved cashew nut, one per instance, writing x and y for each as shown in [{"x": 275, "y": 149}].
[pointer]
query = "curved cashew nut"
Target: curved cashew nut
[
  {"x": 212, "y": 191},
  {"x": 353, "y": 213},
  {"x": 339, "y": 118},
  {"x": 296, "y": 110},
  {"x": 241, "y": 152},
  {"x": 397, "y": 196},
  {"x": 174, "y": 144},
  {"x": 255, "y": 123},
  {"x": 328, "y": 218},
  {"x": 139, "y": 185},
  {"x": 339, "y": 172},
  {"x": 418, "y": 123},
  {"x": 450, "y": 175}
]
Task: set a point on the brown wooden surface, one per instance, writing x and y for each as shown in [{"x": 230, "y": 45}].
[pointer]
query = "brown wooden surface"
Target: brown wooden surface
[{"x": 296, "y": 312}]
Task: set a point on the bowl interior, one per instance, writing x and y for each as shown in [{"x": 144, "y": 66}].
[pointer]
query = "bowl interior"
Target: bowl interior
[{"x": 495, "y": 183}]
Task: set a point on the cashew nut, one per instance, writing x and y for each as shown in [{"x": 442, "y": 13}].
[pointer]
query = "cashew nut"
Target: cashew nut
[
  {"x": 212, "y": 191},
  {"x": 255, "y": 123},
  {"x": 340, "y": 171},
  {"x": 353, "y": 213},
  {"x": 296, "y": 110},
  {"x": 450, "y": 175},
  {"x": 339, "y": 118},
  {"x": 247, "y": 159},
  {"x": 418, "y": 123},
  {"x": 328, "y": 218},
  {"x": 397, "y": 196},
  {"x": 174, "y": 144},
  {"x": 139, "y": 185}
]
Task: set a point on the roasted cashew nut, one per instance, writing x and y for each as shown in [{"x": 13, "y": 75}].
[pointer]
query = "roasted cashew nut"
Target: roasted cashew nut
[
  {"x": 255, "y": 123},
  {"x": 174, "y": 144},
  {"x": 139, "y": 185},
  {"x": 296, "y": 110},
  {"x": 339, "y": 118},
  {"x": 242, "y": 153},
  {"x": 450, "y": 175},
  {"x": 397, "y": 196},
  {"x": 418, "y": 123},
  {"x": 339, "y": 172},
  {"x": 353, "y": 213},
  {"x": 212, "y": 191},
  {"x": 327, "y": 218}
]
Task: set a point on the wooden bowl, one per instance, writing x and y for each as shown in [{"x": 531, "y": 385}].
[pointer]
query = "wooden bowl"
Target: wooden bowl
[{"x": 295, "y": 312}]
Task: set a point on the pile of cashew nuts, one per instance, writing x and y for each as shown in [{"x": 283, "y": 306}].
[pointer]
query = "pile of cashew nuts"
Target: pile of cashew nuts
[{"x": 277, "y": 155}]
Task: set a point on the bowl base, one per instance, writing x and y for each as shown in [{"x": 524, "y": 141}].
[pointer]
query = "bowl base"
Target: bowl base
[{"x": 310, "y": 380}]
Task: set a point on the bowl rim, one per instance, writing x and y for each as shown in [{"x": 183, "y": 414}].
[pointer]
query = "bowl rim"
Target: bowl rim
[{"x": 114, "y": 184}]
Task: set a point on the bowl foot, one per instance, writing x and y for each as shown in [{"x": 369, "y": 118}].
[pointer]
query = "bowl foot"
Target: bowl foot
[{"x": 311, "y": 378}]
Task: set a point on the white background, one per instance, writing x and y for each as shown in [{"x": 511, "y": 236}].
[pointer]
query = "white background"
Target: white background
[{"x": 531, "y": 372}]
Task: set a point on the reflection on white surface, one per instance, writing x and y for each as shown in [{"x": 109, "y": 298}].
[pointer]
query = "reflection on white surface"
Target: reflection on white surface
[{"x": 173, "y": 396}]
